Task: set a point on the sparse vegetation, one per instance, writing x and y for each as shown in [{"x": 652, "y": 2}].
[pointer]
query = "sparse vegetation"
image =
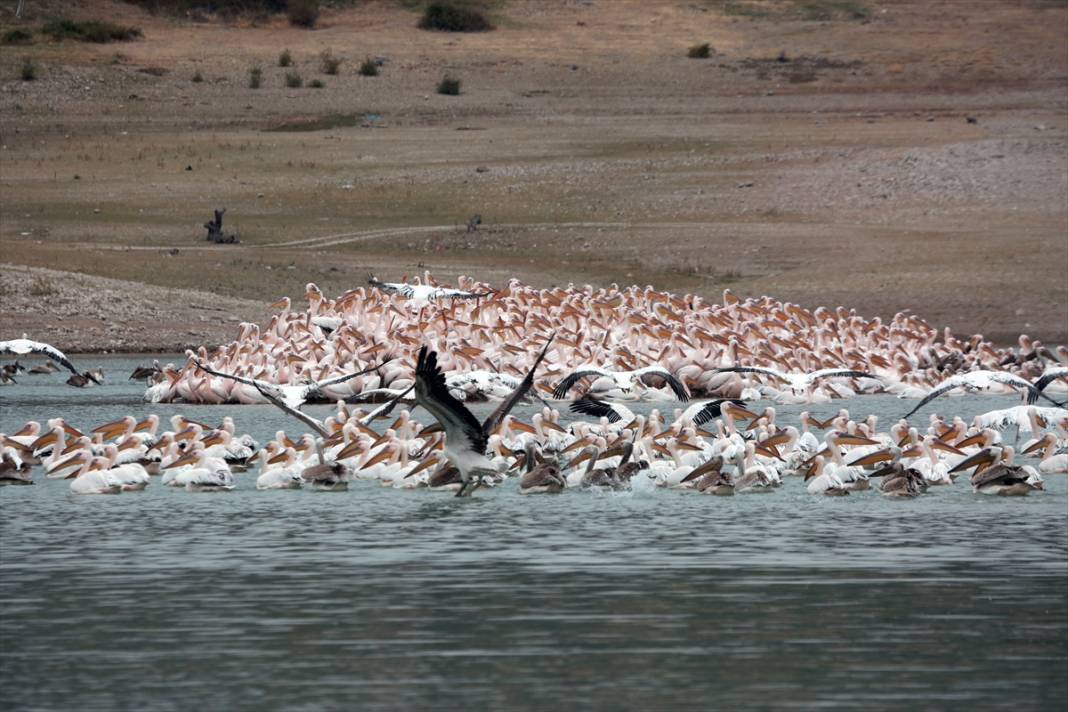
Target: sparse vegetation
[
  {"x": 813, "y": 10},
  {"x": 285, "y": 59},
  {"x": 449, "y": 86},
  {"x": 369, "y": 68},
  {"x": 41, "y": 286},
  {"x": 197, "y": 77},
  {"x": 316, "y": 84},
  {"x": 293, "y": 80},
  {"x": 89, "y": 31},
  {"x": 823, "y": 10},
  {"x": 255, "y": 77},
  {"x": 16, "y": 37},
  {"x": 328, "y": 63},
  {"x": 28, "y": 70},
  {"x": 701, "y": 51},
  {"x": 453, "y": 16},
  {"x": 302, "y": 13}
]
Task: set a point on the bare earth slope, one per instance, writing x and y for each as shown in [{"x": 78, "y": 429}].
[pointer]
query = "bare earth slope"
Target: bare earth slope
[{"x": 908, "y": 156}]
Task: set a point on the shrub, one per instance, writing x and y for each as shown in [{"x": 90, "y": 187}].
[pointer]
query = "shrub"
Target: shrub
[
  {"x": 369, "y": 68},
  {"x": 12, "y": 37},
  {"x": 198, "y": 77},
  {"x": 701, "y": 51},
  {"x": 302, "y": 13},
  {"x": 449, "y": 86},
  {"x": 328, "y": 63},
  {"x": 285, "y": 59},
  {"x": 316, "y": 84},
  {"x": 293, "y": 80},
  {"x": 90, "y": 31},
  {"x": 255, "y": 77},
  {"x": 28, "y": 70},
  {"x": 449, "y": 16}
]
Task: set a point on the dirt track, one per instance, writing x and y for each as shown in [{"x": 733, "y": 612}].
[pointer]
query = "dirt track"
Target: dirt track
[{"x": 593, "y": 148}]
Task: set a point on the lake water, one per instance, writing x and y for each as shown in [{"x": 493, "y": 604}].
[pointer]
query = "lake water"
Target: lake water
[{"x": 378, "y": 599}]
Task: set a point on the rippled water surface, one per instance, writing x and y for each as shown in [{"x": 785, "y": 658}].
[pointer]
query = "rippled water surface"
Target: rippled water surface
[{"x": 380, "y": 599}]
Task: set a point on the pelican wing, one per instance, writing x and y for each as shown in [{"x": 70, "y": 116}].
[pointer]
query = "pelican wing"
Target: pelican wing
[
  {"x": 675, "y": 384},
  {"x": 753, "y": 369},
  {"x": 525, "y": 385},
  {"x": 443, "y": 293},
  {"x": 1049, "y": 376},
  {"x": 560, "y": 392},
  {"x": 386, "y": 408},
  {"x": 944, "y": 387},
  {"x": 240, "y": 379},
  {"x": 1033, "y": 393},
  {"x": 404, "y": 290},
  {"x": 345, "y": 377},
  {"x": 459, "y": 424},
  {"x": 21, "y": 347},
  {"x": 303, "y": 417},
  {"x": 596, "y": 408},
  {"x": 713, "y": 409},
  {"x": 836, "y": 373}
]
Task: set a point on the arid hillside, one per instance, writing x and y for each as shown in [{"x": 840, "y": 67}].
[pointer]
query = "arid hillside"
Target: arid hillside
[{"x": 883, "y": 155}]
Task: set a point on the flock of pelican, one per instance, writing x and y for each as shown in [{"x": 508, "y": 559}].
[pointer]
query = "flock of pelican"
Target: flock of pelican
[{"x": 435, "y": 348}]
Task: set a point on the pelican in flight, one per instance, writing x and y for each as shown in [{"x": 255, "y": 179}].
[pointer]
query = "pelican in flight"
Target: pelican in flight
[
  {"x": 623, "y": 380},
  {"x": 978, "y": 381},
  {"x": 24, "y": 347},
  {"x": 799, "y": 383},
  {"x": 1048, "y": 376},
  {"x": 294, "y": 396},
  {"x": 465, "y": 437},
  {"x": 424, "y": 292}
]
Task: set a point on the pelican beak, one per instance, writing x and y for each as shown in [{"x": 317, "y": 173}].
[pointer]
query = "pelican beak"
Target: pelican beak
[
  {"x": 776, "y": 439},
  {"x": 26, "y": 430},
  {"x": 1040, "y": 444},
  {"x": 970, "y": 440},
  {"x": 854, "y": 440},
  {"x": 381, "y": 439},
  {"x": 16, "y": 445},
  {"x": 914, "y": 451},
  {"x": 280, "y": 304},
  {"x": 979, "y": 460},
  {"x": 872, "y": 458},
  {"x": 280, "y": 457},
  {"x": 424, "y": 465},
  {"x": 766, "y": 452},
  {"x": 738, "y": 411},
  {"x": 129, "y": 443},
  {"x": 187, "y": 459},
  {"x": 550, "y": 425},
  {"x": 429, "y": 430},
  {"x": 380, "y": 457},
  {"x": 701, "y": 432},
  {"x": 353, "y": 448},
  {"x": 366, "y": 430},
  {"x": 286, "y": 442},
  {"x": 683, "y": 445},
  {"x": 46, "y": 439},
  {"x": 938, "y": 444},
  {"x": 72, "y": 431},
  {"x": 213, "y": 439},
  {"x": 575, "y": 445},
  {"x": 584, "y": 455},
  {"x": 186, "y": 434},
  {"x": 523, "y": 427},
  {"x": 905, "y": 439},
  {"x": 144, "y": 425}
]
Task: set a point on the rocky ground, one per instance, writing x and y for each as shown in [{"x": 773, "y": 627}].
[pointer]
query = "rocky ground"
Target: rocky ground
[{"x": 875, "y": 154}]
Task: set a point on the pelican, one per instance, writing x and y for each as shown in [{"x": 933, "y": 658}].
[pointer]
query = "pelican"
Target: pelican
[
  {"x": 978, "y": 381},
  {"x": 424, "y": 292},
  {"x": 614, "y": 412},
  {"x": 465, "y": 438},
  {"x": 293, "y": 396},
  {"x": 540, "y": 477},
  {"x": 995, "y": 474},
  {"x": 23, "y": 347},
  {"x": 800, "y": 383},
  {"x": 1048, "y": 376},
  {"x": 623, "y": 380},
  {"x": 1052, "y": 461}
]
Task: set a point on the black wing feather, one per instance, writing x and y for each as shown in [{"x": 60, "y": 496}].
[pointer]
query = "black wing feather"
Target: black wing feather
[
  {"x": 525, "y": 385},
  {"x": 432, "y": 393},
  {"x": 596, "y": 408}
]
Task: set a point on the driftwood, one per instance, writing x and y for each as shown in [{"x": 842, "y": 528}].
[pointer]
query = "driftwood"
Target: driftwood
[
  {"x": 473, "y": 223},
  {"x": 215, "y": 233}
]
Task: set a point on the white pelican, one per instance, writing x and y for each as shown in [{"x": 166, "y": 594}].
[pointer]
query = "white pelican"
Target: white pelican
[
  {"x": 1052, "y": 462},
  {"x": 293, "y": 396},
  {"x": 424, "y": 292},
  {"x": 1048, "y": 376},
  {"x": 978, "y": 381},
  {"x": 800, "y": 383},
  {"x": 623, "y": 380},
  {"x": 465, "y": 438},
  {"x": 23, "y": 346},
  {"x": 996, "y": 474}
]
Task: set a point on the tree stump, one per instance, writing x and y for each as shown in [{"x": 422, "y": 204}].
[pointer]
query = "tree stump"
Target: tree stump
[{"x": 215, "y": 233}]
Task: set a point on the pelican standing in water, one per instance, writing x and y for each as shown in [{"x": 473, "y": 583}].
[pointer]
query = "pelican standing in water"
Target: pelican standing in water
[{"x": 465, "y": 438}]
